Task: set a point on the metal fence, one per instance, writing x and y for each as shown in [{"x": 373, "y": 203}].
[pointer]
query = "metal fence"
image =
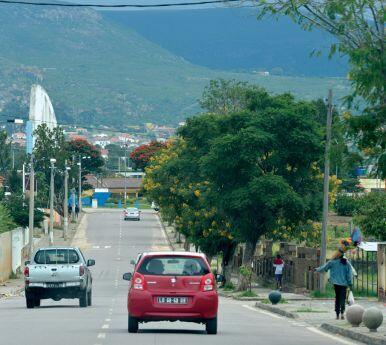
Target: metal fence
[{"x": 365, "y": 264}]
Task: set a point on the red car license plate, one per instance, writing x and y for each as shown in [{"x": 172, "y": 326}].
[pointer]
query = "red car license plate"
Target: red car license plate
[{"x": 172, "y": 300}]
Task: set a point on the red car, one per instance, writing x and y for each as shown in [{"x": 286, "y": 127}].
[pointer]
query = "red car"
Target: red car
[{"x": 171, "y": 286}]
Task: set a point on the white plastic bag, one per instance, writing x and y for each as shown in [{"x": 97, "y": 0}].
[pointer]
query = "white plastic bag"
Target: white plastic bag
[{"x": 350, "y": 298}]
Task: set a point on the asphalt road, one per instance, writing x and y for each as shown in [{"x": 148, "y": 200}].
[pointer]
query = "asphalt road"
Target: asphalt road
[{"x": 113, "y": 243}]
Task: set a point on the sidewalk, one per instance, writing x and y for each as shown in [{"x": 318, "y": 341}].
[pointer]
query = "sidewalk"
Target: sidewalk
[
  {"x": 15, "y": 287},
  {"x": 320, "y": 313},
  {"x": 172, "y": 236}
]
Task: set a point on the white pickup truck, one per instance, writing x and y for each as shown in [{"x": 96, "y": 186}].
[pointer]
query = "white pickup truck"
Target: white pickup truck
[{"x": 58, "y": 272}]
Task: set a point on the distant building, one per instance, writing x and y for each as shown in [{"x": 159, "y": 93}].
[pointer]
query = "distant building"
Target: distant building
[
  {"x": 102, "y": 143},
  {"x": 116, "y": 185}
]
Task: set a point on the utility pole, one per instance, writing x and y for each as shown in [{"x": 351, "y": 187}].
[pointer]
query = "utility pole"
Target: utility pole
[
  {"x": 65, "y": 201},
  {"x": 323, "y": 247},
  {"x": 31, "y": 207},
  {"x": 125, "y": 173},
  {"x": 23, "y": 182},
  {"x": 80, "y": 184},
  {"x": 73, "y": 203},
  {"x": 51, "y": 232}
]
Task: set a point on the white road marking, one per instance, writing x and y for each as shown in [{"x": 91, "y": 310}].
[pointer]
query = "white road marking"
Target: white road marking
[
  {"x": 105, "y": 326},
  {"x": 342, "y": 341},
  {"x": 95, "y": 247},
  {"x": 262, "y": 311},
  {"x": 101, "y": 335},
  {"x": 106, "y": 247},
  {"x": 107, "y": 320}
]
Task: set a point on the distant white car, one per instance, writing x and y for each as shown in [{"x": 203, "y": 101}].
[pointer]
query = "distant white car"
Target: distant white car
[{"x": 132, "y": 213}]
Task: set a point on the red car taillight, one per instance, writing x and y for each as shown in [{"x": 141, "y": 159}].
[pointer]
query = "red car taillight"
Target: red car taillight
[
  {"x": 26, "y": 271},
  {"x": 208, "y": 283},
  {"x": 139, "y": 282},
  {"x": 81, "y": 270}
]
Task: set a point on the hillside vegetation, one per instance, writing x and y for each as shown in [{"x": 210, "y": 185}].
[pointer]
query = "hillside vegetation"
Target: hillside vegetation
[{"x": 102, "y": 73}]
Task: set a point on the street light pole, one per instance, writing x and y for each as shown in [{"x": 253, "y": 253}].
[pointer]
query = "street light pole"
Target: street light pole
[
  {"x": 31, "y": 207},
  {"x": 51, "y": 233},
  {"x": 65, "y": 201},
  {"x": 323, "y": 247},
  {"x": 125, "y": 174},
  {"x": 80, "y": 184}
]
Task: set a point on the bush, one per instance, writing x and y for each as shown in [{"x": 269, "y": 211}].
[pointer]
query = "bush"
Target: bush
[
  {"x": 346, "y": 205},
  {"x": 371, "y": 215}
]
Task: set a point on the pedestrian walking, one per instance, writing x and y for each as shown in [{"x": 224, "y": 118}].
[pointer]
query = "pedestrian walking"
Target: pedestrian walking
[
  {"x": 76, "y": 211},
  {"x": 278, "y": 264},
  {"x": 341, "y": 277}
]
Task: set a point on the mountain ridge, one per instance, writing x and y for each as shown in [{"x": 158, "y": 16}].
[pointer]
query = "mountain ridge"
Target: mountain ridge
[{"x": 97, "y": 71}]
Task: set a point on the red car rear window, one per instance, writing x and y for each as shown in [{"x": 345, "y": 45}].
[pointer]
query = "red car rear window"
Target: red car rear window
[{"x": 173, "y": 266}]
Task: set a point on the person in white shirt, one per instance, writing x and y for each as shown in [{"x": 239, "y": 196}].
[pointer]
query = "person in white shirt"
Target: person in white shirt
[{"x": 278, "y": 263}]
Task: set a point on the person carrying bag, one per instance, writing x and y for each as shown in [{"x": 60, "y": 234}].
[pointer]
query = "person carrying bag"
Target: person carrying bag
[{"x": 341, "y": 276}]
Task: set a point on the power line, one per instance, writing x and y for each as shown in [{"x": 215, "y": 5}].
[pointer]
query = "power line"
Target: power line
[{"x": 208, "y": 2}]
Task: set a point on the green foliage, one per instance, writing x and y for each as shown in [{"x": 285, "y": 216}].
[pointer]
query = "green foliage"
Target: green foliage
[
  {"x": 19, "y": 211},
  {"x": 88, "y": 89},
  {"x": 350, "y": 185},
  {"x": 5, "y": 153},
  {"x": 234, "y": 177},
  {"x": 371, "y": 215},
  {"x": 229, "y": 286},
  {"x": 50, "y": 143},
  {"x": 6, "y": 222},
  {"x": 248, "y": 293},
  {"x": 346, "y": 205},
  {"x": 310, "y": 310},
  {"x": 115, "y": 153},
  {"x": 358, "y": 27},
  {"x": 79, "y": 148}
]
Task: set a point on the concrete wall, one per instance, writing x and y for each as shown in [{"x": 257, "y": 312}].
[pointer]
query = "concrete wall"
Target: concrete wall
[
  {"x": 381, "y": 257},
  {"x": 5, "y": 255}
]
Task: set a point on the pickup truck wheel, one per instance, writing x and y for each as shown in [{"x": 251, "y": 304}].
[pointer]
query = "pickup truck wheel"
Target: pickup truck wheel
[
  {"x": 133, "y": 324},
  {"x": 89, "y": 298},
  {"x": 30, "y": 302},
  {"x": 83, "y": 299},
  {"x": 211, "y": 326}
]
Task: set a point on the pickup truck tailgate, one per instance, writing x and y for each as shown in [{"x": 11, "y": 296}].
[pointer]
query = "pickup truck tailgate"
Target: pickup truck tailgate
[{"x": 54, "y": 273}]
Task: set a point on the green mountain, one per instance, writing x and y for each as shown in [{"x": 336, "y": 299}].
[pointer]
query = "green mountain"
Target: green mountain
[{"x": 99, "y": 72}]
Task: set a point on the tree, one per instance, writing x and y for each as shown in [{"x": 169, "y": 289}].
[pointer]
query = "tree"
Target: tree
[
  {"x": 6, "y": 222},
  {"x": 371, "y": 215},
  {"x": 115, "y": 153},
  {"x": 19, "y": 211},
  {"x": 5, "y": 153},
  {"x": 227, "y": 96},
  {"x": 142, "y": 154},
  {"x": 173, "y": 181},
  {"x": 358, "y": 27},
  {"x": 261, "y": 181},
  {"x": 82, "y": 148}
]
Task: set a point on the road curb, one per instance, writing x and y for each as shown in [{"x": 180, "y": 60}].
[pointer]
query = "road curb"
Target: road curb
[
  {"x": 348, "y": 333},
  {"x": 165, "y": 233},
  {"x": 276, "y": 310}
]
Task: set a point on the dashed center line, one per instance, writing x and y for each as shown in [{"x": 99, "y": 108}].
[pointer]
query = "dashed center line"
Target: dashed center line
[
  {"x": 105, "y": 326},
  {"x": 101, "y": 336}
]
